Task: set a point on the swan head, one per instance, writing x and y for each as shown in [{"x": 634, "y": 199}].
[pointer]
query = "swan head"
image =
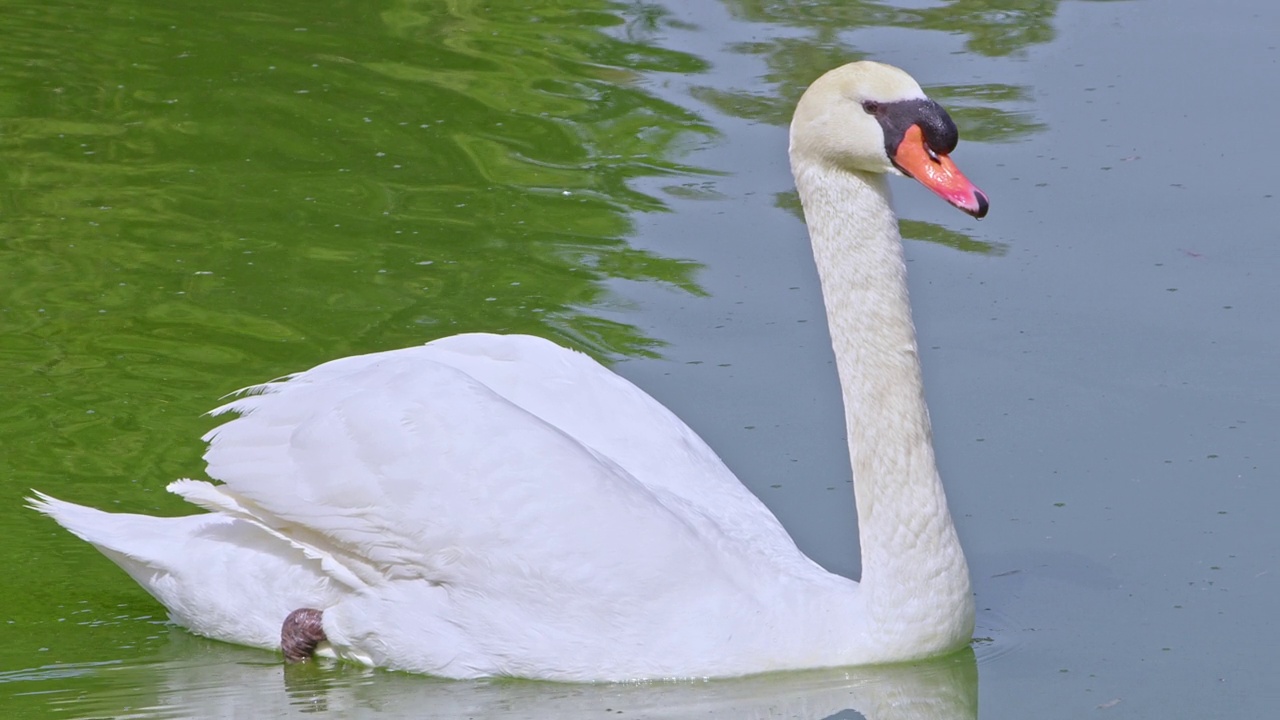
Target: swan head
[{"x": 874, "y": 118}]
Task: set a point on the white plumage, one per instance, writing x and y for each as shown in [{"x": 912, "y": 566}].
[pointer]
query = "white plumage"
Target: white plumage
[{"x": 499, "y": 505}]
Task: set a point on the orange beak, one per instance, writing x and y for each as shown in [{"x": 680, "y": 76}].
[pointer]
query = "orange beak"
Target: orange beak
[{"x": 936, "y": 172}]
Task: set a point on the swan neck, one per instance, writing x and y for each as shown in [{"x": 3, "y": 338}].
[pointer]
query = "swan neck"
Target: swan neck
[{"x": 911, "y": 557}]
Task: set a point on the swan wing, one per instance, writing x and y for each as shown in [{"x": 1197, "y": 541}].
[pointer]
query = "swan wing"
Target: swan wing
[
  {"x": 609, "y": 414},
  {"x": 500, "y": 505},
  {"x": 399, "y": 467}
]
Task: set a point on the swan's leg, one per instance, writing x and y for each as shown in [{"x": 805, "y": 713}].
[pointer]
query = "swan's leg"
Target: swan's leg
[{"x": 300, "y": 634}]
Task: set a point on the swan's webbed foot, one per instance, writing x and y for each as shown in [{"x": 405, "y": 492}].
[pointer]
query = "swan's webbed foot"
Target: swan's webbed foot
[{"x": 301, "y": 633}]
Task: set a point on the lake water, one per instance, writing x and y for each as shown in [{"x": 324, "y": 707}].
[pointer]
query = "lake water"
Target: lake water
[{"x": 194, "y": 198}]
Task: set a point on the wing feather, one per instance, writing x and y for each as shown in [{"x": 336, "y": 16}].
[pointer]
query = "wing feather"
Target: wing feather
[{"x": 420, "y": 470}]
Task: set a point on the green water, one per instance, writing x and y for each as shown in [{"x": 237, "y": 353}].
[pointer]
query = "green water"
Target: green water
[{"x": 195, "y": 197}]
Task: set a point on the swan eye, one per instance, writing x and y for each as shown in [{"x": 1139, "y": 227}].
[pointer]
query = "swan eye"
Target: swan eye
[{"x": 871, "y": 106}]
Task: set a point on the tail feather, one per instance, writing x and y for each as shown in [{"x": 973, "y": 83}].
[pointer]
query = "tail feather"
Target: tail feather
[
  {"x": 220, "y": 576},
  {"x": 140, "y": 539}
]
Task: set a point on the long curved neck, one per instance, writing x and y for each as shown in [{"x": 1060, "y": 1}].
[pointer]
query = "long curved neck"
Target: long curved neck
[{"x": 913, "y": 569}]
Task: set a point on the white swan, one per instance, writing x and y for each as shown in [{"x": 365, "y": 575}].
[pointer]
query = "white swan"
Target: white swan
[{"x": 498, "y": 505}]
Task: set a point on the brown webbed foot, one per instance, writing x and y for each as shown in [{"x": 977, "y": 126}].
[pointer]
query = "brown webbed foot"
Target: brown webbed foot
[{"x": 300, "y": 634}]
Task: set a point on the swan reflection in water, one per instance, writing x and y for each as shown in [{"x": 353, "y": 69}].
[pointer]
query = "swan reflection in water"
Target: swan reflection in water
[{"x": 198, "y": 678}]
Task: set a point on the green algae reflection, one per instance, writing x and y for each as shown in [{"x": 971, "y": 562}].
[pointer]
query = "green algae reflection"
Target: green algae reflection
[{"x": 198, "y": 196}]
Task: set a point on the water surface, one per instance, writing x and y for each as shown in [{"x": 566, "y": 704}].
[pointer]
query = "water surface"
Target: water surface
[{"x": 197, "y": 198}]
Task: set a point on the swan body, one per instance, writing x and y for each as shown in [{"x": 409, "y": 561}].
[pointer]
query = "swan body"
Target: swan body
[{"x": 498, "y": 505}]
